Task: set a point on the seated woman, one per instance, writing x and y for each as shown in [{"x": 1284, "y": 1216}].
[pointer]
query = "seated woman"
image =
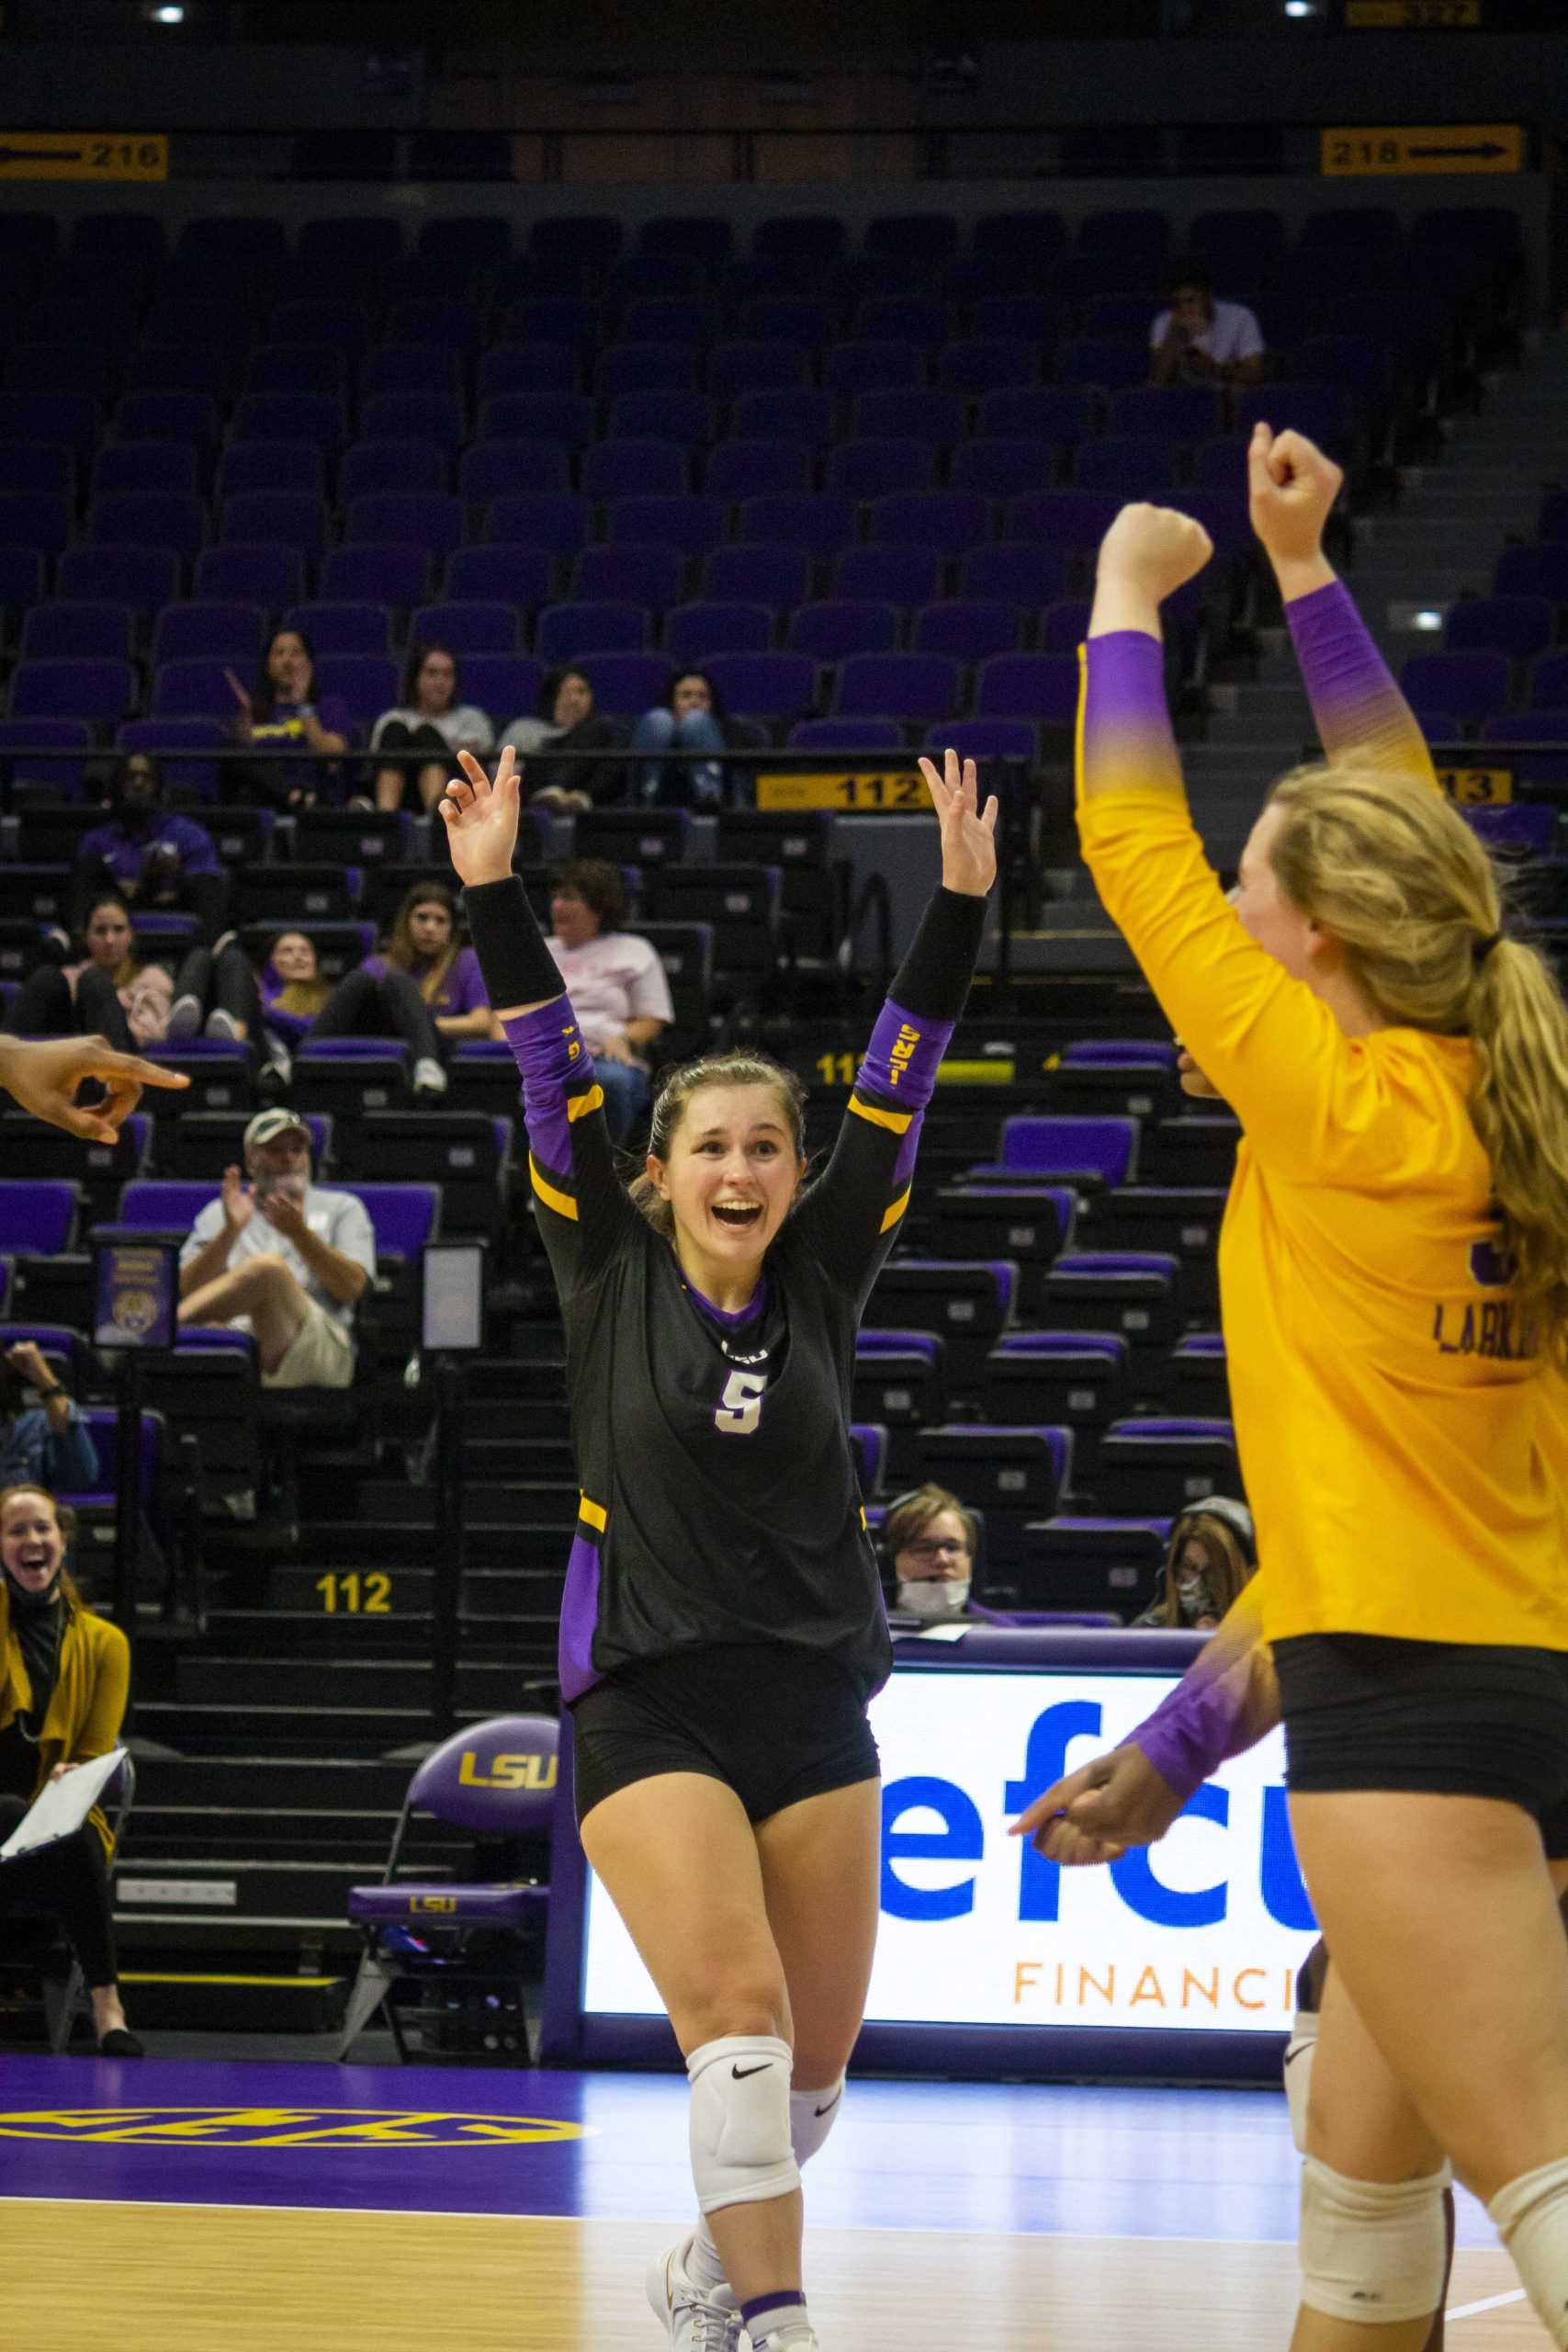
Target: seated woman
[
  {"x": 101, "y": 989},
  {"x": 1211, "y": 1554},
  {"x": 690, "y": 718},
  {"x": 157, "y": 857},
  {"x": 46, "y": 1445},
  {"x": 616, "y": 983},
  {"x": 64, "y": 1677},
  {"x": 427, "y": 730},
  {"x": 567, "y": 723},
  {"x": 284, "y": 708},
  {"x": 377, "y": 999}
]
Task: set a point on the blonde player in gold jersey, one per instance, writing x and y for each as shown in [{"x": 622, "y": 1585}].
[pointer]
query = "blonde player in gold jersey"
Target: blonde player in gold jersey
[{"x": 1395, "y": 1284}]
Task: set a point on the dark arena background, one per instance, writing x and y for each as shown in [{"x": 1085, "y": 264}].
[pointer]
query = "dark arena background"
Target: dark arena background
[{"x": 809, "y": 354}]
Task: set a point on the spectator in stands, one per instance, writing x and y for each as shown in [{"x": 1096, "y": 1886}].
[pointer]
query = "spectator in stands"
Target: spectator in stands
[
  {"x": 615, "y": 982},
  {"x": 1211, "y": 1556},
  {"x": 283, "y": 1258},
  {"x": 64, "y": 1678},
  {"x": 428, "y": 729},
  {"x": 567, "y": 723},
  {"x": 47, "y": 1444},
  {"x": 930, "y": 1539},
  {"x": 382, "y": 996},
  {"x": 1200, "y": 341},
  {"x": 282, "y": 709},
  {"x": 689, "y": 720},
  {"x": 102, "y": 988},
  {"x": 217, "y": 994},
  {"x": 155, "y": 856}
]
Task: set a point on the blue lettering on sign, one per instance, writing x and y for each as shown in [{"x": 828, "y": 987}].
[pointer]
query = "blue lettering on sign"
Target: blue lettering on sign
[{"x": 962, "y": 1838}]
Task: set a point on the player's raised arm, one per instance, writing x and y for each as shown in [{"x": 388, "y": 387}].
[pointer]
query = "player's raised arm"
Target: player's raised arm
[
  {"x": 852, "y": 1211},
  {"x": 1361, "y": 715},
  {"x": 570, "y": 1164}
]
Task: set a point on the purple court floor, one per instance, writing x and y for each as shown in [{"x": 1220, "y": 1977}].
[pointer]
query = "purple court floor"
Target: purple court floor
[{"x": 971, "y": 2156}]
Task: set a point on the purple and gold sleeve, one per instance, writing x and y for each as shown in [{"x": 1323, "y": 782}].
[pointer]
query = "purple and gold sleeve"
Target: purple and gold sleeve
[
  {"x": 578, "y": 1197},
  {"x": 1225, "y": 1703},
  {"x": 1360, "y": 713}
]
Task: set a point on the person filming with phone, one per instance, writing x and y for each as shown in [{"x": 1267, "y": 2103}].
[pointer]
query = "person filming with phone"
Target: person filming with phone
[{"x": 282, "y": 1258}]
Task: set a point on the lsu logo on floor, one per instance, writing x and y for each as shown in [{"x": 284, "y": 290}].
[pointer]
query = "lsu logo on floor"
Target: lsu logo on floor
[{"x": 283, "y": 2127}]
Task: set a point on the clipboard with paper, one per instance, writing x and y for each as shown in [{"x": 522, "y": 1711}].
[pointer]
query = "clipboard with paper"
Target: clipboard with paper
[{"x": 61, "y": 1807}]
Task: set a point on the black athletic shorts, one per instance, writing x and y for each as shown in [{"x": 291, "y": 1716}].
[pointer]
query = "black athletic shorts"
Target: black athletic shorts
[
  {"x": 1453, "y": 1718},
  {"x": 773, "y": 1722}
]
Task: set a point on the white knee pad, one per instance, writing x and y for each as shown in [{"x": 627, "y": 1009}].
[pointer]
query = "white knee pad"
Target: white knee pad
[
  {"x": 1371, "y": 2250},
  {"x": 1299, "y": 2053},
  {"x": 812, "y": 2115},
  {"x": 741, "y": 2146},
  {"x": 1531, "y": 2213}
]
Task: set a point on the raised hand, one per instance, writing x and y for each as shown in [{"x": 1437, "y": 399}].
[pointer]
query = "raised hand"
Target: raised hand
[
  {"x": 1291, "y": 487},
  {"x": 968, "y": 831},
  {"x": 43, "y": 1073},
  {"x": 480, "y": 818},
  {"x": 1154, "y": 550},
  {"x": 239, "y": 1203}
]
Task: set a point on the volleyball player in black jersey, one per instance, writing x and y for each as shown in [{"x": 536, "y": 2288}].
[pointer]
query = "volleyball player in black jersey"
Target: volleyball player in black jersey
[{"x": 723, "y": 1625}]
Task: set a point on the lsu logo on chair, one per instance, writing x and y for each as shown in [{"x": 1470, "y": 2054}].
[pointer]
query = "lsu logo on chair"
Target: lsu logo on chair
[
  {"x": 508, "y": 1771},
  {"x": 294, "y": 2127}
]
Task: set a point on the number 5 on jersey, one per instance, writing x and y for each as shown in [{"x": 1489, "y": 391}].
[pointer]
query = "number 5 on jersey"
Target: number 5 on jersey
[{"x": 740, "y": 1408}]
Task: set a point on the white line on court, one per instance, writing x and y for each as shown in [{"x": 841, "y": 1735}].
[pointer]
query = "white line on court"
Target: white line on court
[{"x": 1492, "y": 2303}]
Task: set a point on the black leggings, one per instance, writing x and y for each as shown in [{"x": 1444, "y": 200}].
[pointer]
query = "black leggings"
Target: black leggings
[
  {"x": 380, "y": 1004},
  {"x": 69, "y": 1879},
  {"x": 44, "y": 1006},
  {"x": 430, "y": 749},
  {"x": 222, "y": 983}
]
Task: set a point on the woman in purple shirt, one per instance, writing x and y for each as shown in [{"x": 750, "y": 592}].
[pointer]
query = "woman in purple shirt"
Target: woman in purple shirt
[
  {"x": 285, "y": 708},
  {"x": 423, "y": 988}
]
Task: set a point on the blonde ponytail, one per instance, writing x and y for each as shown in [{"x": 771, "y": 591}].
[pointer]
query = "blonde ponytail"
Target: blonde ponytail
[{"x": 1398, "y": 877}]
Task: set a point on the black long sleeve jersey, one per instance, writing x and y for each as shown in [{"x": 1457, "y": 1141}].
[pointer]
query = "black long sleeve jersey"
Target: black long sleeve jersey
[{"x": 719, "y": 1498}]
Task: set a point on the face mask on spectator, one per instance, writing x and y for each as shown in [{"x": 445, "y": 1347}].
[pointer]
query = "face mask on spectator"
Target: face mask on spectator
[{"x": 933, "y": 1597}]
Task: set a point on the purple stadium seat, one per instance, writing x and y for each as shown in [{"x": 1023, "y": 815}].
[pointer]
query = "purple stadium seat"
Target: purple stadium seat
[
  {"x": 1116, "y": 317},
  {"x": 985, "y": 738},
  {"x": 1473, "y": 685},
  {"x": 1013, "y": 574},
  {"x": 39, "y": 466},
  {"x": 1552, "y": 522},
  {"x": 46, "y": 735},
  {"x": 40, "y": 519},
  {"x": 340, "y": 323},
  {"x": 1050, "y": 413},
  {"x": 784, "y": 413},
  {"x": 1004, "y": 468},
  {"x": 1063, "y": 625},
  {"x": 1525, "y": 827},
  {"x": 735, "y": 369},
  {"x": 751, "y": 573},
  {"x": 832, "y": 631},
  {"x": 695, "y": 632},
  {"x": 1150, "y": 1467},
  {"x": 1115, "y": 363},
  {"x": 410, "y": 368},
  {"x": 642, "y": 277},
  {"x": 646, "y": 367},
  {"x": 502, "y": 684},
  {"x": 291, "y": 518},
  {"x": 540, "y": 519},
  {"x": 564, "y": 417},
  {"x": 968, "y": 631},
  {"x": 367, "y": 682},
  {"x": 21, "y": 578},
  {"x": 630, "y": 468},
  {"x": 453, "y": 326},
  {"x": 947, "y": 520},
  {"x": 270, "y": 465},
  {"x": 433, "y": 417},
  {"x": 1320, "y": 410},
  {"x": 874, "y": 469},
  {"x": 1102, "y": 1151},
  {"x": 894, "y": 318},
  {"x": 986, "y": 364},
  {"x": 1040, "y": 686},
  {"x": 691, "y": 526},
  {"x": 1168, "y": 412},
  {"x": 816, "y": 523},
  {"x": 565, "y": 632},
  {"x": 342, "y": 627},
  {"x": 1063, "y": 518},
  {"x": 194, "y": 688},
  {"x": 121, "y": 239},
  {"x": 875, "y": 736},
  {"x": 1078, "y": 1378},
  {"x": 1548, "y": 682},
  {"x": 38, "y": 1216},
  {"x": 705, "y": 238},
  {"x": 1534, "y": 571},
  {"x": 897, "y": 685},
  {"x": 71, "y": 689},
  {"x": 849, "y": 368},
  {"x": 231, "y": 632},
  {"x": 923, "y": 238},
  {"x": 521, "y": 576},
  {"x": 1125, "y": 466},
  {"x": 1029, "y": 319},
  {"x": 143, "y": 466},
  {"x": 319, "y": 417},
  {"x": 74, "y": 419},
  {"x": 1519, "y": 626},
  {"x": 1137, "y": 1293},
  {"x": 432, "y": 522},
  {"x": 887, "y": 575},
  {"x": 367, "y": 468},
  {"x": 788, "y": 319},
  {"x": 918, "y": 412},
  {"x": 765, "y": 685},
  {"x": 660, "y": 414},
  {"x": 170, "y": 519},
  {"x": 88, "y": 632},
  {"x": 650, "y": 576},
  {"x": 624, "y": 684},
  {"x": 472, "y": 627},
  {"x": 809, "y": 241},
  {"x": 968, "y": 1302},
  {"x": 1125, "y": 229},
  {"x": 1014, "y": 239},
  {"x": 577, "y": 240},
  {"x": 268, "y": 574},
  {"x": 167, "y": 738},
  {"x": 740, "y": 470},
  {"x": 290, "y": 367},
  {"x": 1548, "y": 768},
  {"x": 664, "y": 323}
]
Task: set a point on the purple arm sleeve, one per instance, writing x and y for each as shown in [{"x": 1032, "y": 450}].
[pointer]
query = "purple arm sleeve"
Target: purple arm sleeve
[
  {"x": 1359, "y": 711},
  {"x": 555, "y": 1064},
  {"x": 900, "y": 1066},
  {"x": 1204, "y": 1720}
]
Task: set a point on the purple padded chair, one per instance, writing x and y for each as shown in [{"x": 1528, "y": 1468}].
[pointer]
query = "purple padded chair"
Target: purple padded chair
[
  {"x": 1150, "y": 1467},
  {"x": 1091, "y": 1152},
  {"x": 1077, "y": 1377},
  {"x": 495, "y": 1779},
  {"x": 37, "y": 1219}
]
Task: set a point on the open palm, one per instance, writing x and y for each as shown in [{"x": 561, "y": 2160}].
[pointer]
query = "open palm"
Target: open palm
[
  {"x": 968, "y": 831},
  {"x": 481, "y": 817}
]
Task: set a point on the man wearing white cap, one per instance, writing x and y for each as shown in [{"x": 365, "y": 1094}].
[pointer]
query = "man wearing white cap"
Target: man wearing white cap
[{"x": 282, "y": 1258}]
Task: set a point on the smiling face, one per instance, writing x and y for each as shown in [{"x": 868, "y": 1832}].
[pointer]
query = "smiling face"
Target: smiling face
[
  {"x": 1277, "y": 925},
  {"x": 430, "y": 928},
  {"x": 289, "y": 666},
  {"x": 294, "y": 958},
  {"x": 109, "y": 935},
  {"x": 32, "y": 1544},
  {"x": 574, "y": 699},
  {"x": 731, "y": 1174},
  {"x": 437, "y": 680}
]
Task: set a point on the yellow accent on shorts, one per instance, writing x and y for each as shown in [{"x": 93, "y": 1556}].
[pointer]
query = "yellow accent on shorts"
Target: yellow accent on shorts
[
  {"x": 897, "y": 1122},
  {"x": 561, "y": 1202}
]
